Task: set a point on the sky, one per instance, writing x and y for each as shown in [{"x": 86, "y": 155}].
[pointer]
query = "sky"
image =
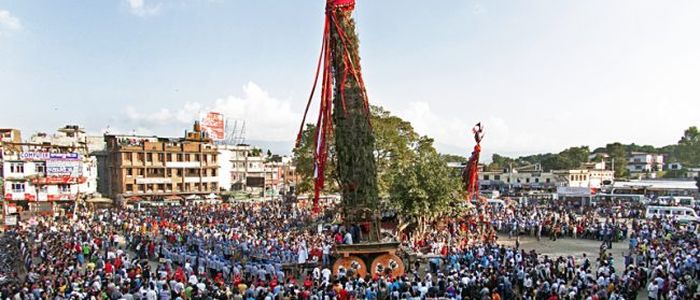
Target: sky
[{"x": 540, "y": 75}]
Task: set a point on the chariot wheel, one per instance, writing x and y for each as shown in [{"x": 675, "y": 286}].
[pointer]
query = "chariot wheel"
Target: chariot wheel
[
  {"x": 388, "y": 264},
  {"x": 350, "y": 264}
]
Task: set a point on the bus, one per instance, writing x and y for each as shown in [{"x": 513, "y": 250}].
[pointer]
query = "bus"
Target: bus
[{"x": 680, "y": 213}]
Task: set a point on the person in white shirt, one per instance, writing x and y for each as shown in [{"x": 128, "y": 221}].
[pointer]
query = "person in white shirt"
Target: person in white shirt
[
  {"x": 653, "y": 290},
  {"x": 347, "y": 239}
]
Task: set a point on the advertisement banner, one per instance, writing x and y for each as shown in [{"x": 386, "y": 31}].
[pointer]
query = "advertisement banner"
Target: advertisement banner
[
  {"x": 58, "y": 180},
  {"x": 48, "y": 156},
  {"x": 213, "y": 123},
  {"x": 63, "y": 168}
]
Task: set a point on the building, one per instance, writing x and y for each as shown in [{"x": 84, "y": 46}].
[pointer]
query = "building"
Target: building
[
  {"x": 157, "y": 168},
  {"x": 280, "y": 175},
  {"x": 44, "y": 176},
  {"x": 90, "y": 147},
  {"x": 518, "y": 180},
  {"x": 641, "y": 162},
  {"x": 692, "y": 173},
  {"x": 656, "y": 188},
  {"x": 244, "y": 168},
  {"x": 10, "y": 135},
  {"x": 674, "y": 166}
]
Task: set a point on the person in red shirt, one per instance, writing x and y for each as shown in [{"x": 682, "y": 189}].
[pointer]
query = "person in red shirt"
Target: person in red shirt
[
  {"x": 343, "y": 295},
  {"x": 118, "y": 263},
  {"x": 109, "y": 268}
]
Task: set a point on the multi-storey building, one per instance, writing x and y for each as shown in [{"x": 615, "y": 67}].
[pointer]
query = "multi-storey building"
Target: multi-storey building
[
  {"x": 46, "y": 175},
  {"x": 244, "y": 168},
  {"x": 153, "y": 168},
  {"x": 641, "y": 162},
  {"x": 90, "y": 147}
]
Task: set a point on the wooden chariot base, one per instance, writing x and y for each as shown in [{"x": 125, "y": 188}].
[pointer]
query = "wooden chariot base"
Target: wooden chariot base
[{"x": 381, "y": 258}]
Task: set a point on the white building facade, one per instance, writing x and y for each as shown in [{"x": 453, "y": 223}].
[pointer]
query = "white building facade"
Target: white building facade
[
  {"x": 35, "y": 175},
  {"x": 640, "y": 162}
]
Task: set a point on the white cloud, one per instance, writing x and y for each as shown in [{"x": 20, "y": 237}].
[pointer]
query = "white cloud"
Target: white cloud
[
  {"x": 266, "y": 117},
  {"x": 142, "y": 9},
  {"x": 453, "y": 135},
  {"x": 9, "y": 22}
]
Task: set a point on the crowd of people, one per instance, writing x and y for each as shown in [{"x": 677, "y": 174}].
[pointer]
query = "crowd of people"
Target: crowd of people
[{"x": 278, "y": 250}]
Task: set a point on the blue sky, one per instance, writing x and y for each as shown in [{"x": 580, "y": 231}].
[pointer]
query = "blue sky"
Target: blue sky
[{"x": 541, "y": 75}]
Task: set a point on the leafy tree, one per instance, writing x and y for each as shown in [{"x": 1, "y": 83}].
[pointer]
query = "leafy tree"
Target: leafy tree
[
  {"x": 454, "y": 158},
  {"x": 688, "y": 150},
  {"x": 393, "y": 140},
  {"x": 423, "y": 189},
  {"x": 617, "y": 152},
  {"x": 304, "y": 163}
]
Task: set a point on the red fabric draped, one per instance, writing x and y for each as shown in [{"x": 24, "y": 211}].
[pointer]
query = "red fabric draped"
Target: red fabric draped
[
  {"x": 470, "y": 174},
  {"x": 324, "y": 121}
]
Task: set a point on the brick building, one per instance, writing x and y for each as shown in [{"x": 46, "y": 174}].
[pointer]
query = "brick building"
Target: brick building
[{"x": 157, "y": 168}]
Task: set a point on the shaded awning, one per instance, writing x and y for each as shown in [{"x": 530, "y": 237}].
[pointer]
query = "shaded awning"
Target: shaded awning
[
  {"x": 193, "y": 197},
  {"x": 134, "y": 199},
  {"x": 99, "y": 200}
]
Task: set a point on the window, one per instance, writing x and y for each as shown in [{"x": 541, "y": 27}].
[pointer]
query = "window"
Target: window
[
  {"x": 18, "y": 187},
  {"x": 179, "y": 172},
  {"x": 17, "y": 168},
  {"x": 40, "y": 168},
  {"x": 497, "y": 177},
  {"x": 141, "y": 188},
  {"x": 43, "y": 189},
  {"x": 537, "y": 180},
  {"x": 486, "y": 177},
  {"x": 179, "y": 157},
  {"x": 170, "y": 157},
  {"x": 149, "y": 157},
  {"x": 161, "y": 157},
  {"x": 139, "y": 172},
  {"x": 129, "y": 187},
  {"x": 196, "y": 157},
  {"x": 64, "y": 188},
  {"x": 213, "y": 172},
  {"x": 527, "y": 180},
  {"x": 129, "y": 172},
  {"x": 213, "y": 158}
]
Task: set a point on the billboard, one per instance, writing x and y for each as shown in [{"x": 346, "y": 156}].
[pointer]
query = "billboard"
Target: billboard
[
  {"x": 48, "y": 156},
  {"x": 63, "y": 168},
  {"x": 213, "y": 124}
]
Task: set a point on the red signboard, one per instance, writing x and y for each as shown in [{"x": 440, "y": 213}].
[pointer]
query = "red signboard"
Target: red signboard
[
  {"x": 213, "y": 123},
  {"x": 58, "y": 180},
  {"x": 60, "y": 197}
]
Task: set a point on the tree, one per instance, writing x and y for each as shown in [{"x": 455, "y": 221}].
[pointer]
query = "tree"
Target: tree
[
  {"x": 304, "y": 163},
  {"x": 393, "y": 140},
  {"x": 618, "y": 154},
  {"x": 688, "y": 151},
  {"x": 423, "y": 189}
]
